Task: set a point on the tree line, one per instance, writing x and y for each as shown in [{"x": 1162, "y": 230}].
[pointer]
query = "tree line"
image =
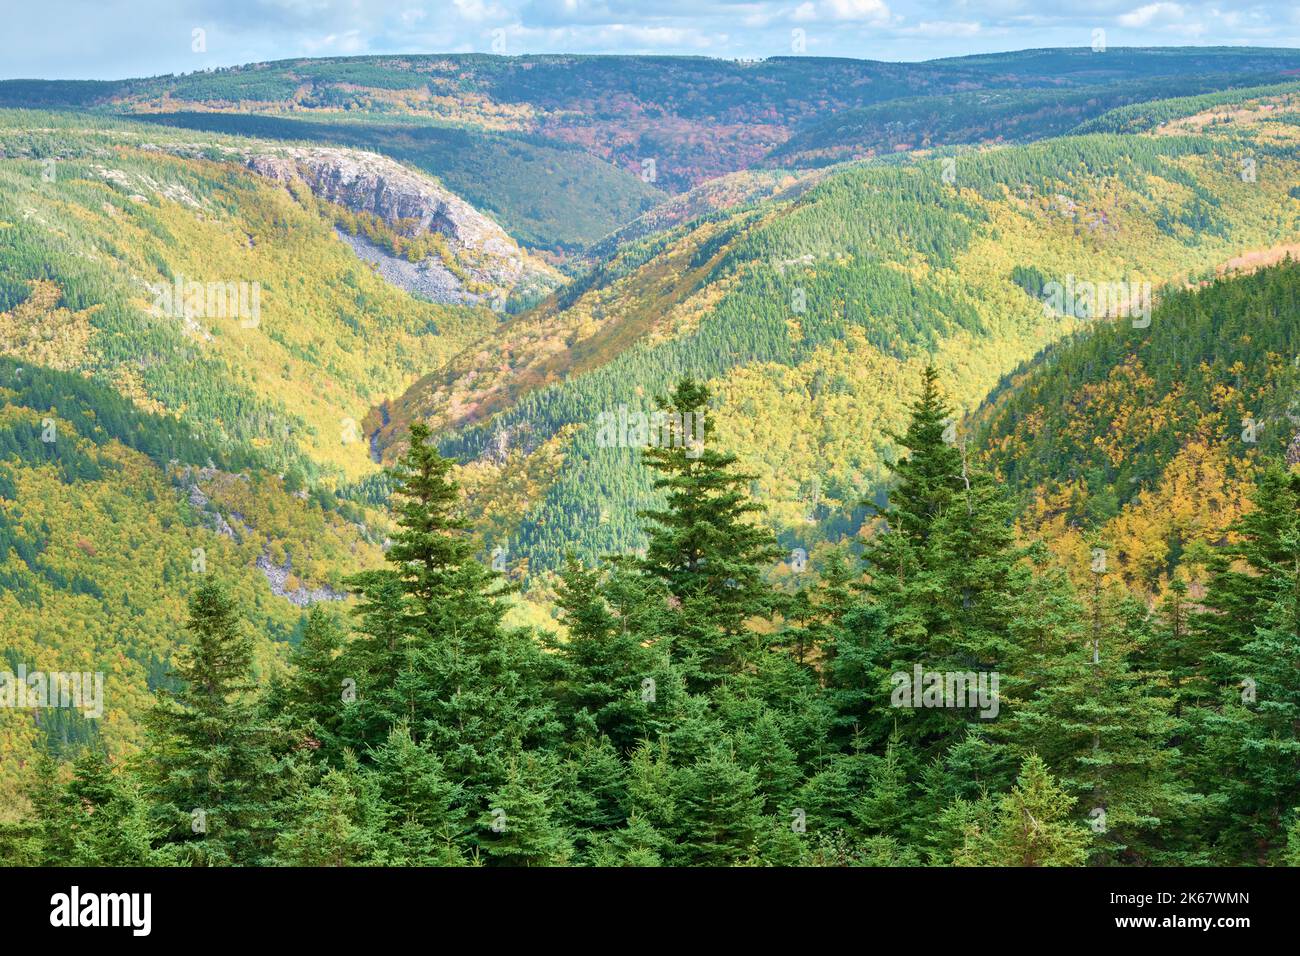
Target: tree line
[{"x": 693, "y": 714}]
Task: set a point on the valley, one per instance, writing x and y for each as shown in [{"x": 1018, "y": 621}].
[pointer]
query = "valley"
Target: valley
[{"x": 324, "y": 352}]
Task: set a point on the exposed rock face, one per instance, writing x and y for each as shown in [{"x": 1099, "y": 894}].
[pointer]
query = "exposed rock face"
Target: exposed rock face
[
  {"x": 484, "y": 253},
  {"x": 302, "y": 596},
  {"x": 368, "y": 182},
  {"x": 430, "y": 278}
]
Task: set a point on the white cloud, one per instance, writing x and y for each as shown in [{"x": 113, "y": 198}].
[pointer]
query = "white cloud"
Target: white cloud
[
  {"x": 842, "y": 11},
  {"x": 1152, "y": 13},
  {"x": 477, "y": 11},
  {"x": 874, "y": 11},
  {"x": 121, "y": 38},
  {"x": 349, "y": 43},
  {"x": 944, "y": 28}
]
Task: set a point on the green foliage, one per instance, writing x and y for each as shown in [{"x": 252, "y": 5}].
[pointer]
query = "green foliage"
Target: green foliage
[
  {"x": 1139, "y": 117},
  {"x": 627, "y": 741},
  {"x": 987, "y": 116},
  {"x": 1208, "y": 360},
  {"x": 797, "y": 310},
  {"x": 547, "y": 195},
  {"x": 703, "y": 547},
  {"x": 697, "y": 704},
  {"x": 215, "y": 765},
  {"x": 1030, "y": 826}
]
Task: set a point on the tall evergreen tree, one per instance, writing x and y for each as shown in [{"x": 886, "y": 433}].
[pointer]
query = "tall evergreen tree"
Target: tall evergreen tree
[
  {"x": 1252, "y": 737},
  {"x": 927, "y": 478},
  {"x": 704, "y": 544},
  {"x": 215, "y": 765},
  {"x": 945, "y": 569},
  {"x": 1107, "y": 731},
  {"x": 1030, "y": 826},
  {"x": 334, "y": 823},
  {"x": 434, "y": 655},
  {"x": 520, "y": 826},
  {"x": 420, "y": 814}
]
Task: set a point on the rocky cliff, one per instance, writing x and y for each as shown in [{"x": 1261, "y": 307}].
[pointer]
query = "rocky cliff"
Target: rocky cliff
[
  {"x": 367, "y": 182},
  {"x": 483, "y": 265}
]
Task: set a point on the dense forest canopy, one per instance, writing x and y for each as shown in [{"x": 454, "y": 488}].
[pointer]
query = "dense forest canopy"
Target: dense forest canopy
[{"x": 653, "y": 461}]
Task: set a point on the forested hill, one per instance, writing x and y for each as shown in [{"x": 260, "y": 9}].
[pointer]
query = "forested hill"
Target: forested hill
[
  {"x": 809, "y": 315},
  {"x": 1016, "y": 409},
  {"x": 679, "y": 120},
  {"x": 991, "y": 116},
  {"x": 101, "y": 223},
  {"x": 109, "y": 514},
  {"x": 547, "y": 194},
  {"x": 694, "y": 714},
  {"x": 1146, "y": 439}
]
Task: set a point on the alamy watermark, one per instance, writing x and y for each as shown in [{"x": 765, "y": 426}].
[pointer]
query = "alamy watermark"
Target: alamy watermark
[
  {"x": 75, "y": 908},
  {"x": 47, "y": 689},
  {"x": 953, "y": 689},
  {"x": 657, "y": 429},
  {"x": 1084, "y": 299},
  {"x": 182, "y": 299}
]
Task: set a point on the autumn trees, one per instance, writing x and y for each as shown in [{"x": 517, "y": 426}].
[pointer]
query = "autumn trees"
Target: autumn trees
[{"x": 692, "y": 714}]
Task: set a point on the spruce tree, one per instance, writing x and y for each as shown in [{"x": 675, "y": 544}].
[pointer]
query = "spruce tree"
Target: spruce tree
[
  {"x": 315, "y": 699},
  {"x": 519, "y": 828},
  {"x": 945, "y": 570},
  {"x": 592, "y": 792},
  {"x": 333, "y": 823},
  {"x": 110, "y": 819},
  {"x": 433, "y": 651},
  {"x": 612, "y": 670},
  {"x": 214, "y": 766},
  {"x": 53, "y": 823},
  {"x": 705, "y": 546},
  {"x": 927, "y": 478},
  {"x": 1106, "y": 730},
  {"x": 1254, "y": 741},
  {"x": 635, "y": 844},
  {"x": 1249, "y": 745},
  {"x": 719, "y": 811},
  {"x": 1031, "y": 826},
  {"x": 420, "y": 814},
  {"x": 434, "y": 592}
]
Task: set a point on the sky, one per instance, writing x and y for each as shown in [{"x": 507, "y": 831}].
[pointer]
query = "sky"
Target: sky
[{"x": 113, "y": 39}]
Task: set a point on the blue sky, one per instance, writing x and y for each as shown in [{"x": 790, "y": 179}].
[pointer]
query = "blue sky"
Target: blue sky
[{"x": 107, "y": 39}]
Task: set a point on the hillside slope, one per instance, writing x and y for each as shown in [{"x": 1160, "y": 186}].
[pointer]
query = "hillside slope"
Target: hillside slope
[
  {"x": 1144, "y": 440},
  {"x": 199, "y": 288},
  {"x": 679, "y": 120},
  {"x": 109, "y": 517},
  {"x": 985, "y": 116},
  {"x": 811, "y": 316},
  {"x": 547, "y": 195}
]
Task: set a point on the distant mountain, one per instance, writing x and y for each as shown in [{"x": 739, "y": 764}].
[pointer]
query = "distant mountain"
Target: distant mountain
[
  {"x": 985, "y": 116},
  {"x": 676, "y": 121}
]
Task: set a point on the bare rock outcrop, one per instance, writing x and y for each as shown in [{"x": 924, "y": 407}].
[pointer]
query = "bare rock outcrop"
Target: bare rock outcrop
[
  {"x": 277, "y": 576},
  {"x": 488, "y": 265},
  {"x": 405, "y": 198}
]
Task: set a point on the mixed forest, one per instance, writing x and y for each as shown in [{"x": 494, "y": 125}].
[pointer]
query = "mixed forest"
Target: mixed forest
[
  {"x": 946, "y": 575},
  {"x": 696, "y": 715}
]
